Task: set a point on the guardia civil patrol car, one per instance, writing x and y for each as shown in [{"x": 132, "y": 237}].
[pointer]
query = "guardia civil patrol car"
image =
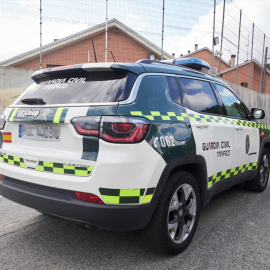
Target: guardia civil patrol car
[{"x": 130, "y": 146}]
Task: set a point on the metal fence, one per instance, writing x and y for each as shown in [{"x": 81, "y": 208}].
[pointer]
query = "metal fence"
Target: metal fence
[{"x": 186, "y": 23}]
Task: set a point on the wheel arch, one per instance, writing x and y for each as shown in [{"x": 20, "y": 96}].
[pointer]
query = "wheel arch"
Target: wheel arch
[
  {"x": 265, "y": 144},
  {"x": 195, "y": 165}
]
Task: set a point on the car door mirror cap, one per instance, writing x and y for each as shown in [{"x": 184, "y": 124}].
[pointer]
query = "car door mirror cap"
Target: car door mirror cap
[{"x": 257, "y": 113}]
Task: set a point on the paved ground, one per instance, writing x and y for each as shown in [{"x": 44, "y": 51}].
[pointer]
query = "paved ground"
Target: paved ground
[{"x": 233, "y": 233}]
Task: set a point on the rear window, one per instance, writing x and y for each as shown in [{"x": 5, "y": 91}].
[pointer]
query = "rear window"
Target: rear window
[{"x": 79, "y": 86}]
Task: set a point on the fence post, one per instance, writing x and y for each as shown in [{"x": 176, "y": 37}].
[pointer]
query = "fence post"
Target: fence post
[
  {"x": 251, "y": 57},
  {"x": 264, "y": 70},
  {"x": 262, "y": 64},
  {"x": 221, "y": 37},
  {"x": 162, "y": 30},
  {"x": 214, "y": 24},
  {"x": 106, "y": 35},
  {"x": 239, "y": 36},
  {"x": 40, "y": 46}
]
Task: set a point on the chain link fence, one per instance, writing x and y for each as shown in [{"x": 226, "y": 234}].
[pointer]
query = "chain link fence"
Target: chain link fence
[{"x": 186, "y": 23}]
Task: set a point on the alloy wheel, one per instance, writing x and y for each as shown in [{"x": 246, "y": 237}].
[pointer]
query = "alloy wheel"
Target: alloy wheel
[{"x": 181, "y": 213}]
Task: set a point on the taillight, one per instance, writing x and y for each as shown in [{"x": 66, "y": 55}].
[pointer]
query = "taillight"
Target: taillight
[
  {"x": 88, "y": 197},
  {"x": 2, "y": 121},
  {"x": 89, "y": 125},
  {"x": 122, "y": 129},
  {"x": 117, "y": 129},
  {"x": 1, "y": 177}
]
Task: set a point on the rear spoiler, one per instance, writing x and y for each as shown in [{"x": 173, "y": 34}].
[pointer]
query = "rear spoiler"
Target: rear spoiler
[{"x": 90, "y": 67}]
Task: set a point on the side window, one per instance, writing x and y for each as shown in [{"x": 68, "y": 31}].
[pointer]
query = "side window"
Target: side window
[
  {"x": 233, "y": 105},
  {"x": 198, "y": 95},
  {"x": 174, "y": 89}
]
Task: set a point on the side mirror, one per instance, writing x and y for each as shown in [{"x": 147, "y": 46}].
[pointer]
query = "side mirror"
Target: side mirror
[{"x": 257, "y": 113}]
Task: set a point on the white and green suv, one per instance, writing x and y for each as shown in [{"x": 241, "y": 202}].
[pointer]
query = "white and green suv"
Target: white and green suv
[{"x": 129, "y": 146}]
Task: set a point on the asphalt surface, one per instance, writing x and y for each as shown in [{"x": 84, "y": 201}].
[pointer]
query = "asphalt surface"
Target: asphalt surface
[{"x": 233, "y": 233}]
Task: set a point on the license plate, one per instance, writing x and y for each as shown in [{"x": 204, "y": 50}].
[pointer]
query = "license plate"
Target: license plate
[{"x": 40, "y": 132}]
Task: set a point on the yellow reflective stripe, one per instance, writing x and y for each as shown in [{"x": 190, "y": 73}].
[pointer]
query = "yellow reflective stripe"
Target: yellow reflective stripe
[
  {"x": 47, "y": 164},
  {"x": 111, "y": 199},
  {"x": 147, "y": 198},
  {"x": 57, "y": 115},
  {"x": 136, "y": 113},
  {"x": 129, "y": 192},
  {"x": 58, "y": 170},
  {"x": 81, "y": 173},
  {"x": 12, "y": 115}
]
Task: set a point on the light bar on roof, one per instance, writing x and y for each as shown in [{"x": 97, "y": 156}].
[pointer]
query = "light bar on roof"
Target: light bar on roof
[{"x": 192, "y": 62}]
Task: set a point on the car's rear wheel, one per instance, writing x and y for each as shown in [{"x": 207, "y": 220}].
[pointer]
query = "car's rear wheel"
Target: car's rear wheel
[
  {"x": 176, "y": 216},
  {"x": 259, "y": 183}
]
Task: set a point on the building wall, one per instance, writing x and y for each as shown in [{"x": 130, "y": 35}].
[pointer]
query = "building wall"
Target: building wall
[
  {"x": 123, "y": 48},
  {"x": 205, "y": 55},
  {"x": 15, "y": 77},
  {"x": 253, "y": 99},
  {"x": 243, "y": 77}
]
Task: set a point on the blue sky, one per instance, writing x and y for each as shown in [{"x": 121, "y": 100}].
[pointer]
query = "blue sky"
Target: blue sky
[{"x": 186, "y": 22}]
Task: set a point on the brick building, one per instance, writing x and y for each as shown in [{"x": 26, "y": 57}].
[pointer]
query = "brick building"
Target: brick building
[
  {"x": 125, "y": 44},
  {"x": 205, "y": 54},
  {"x": 243, "y": 76},
  {"x": 228, "y": 69}
]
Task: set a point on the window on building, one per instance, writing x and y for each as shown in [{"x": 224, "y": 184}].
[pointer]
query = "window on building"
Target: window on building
[
  {"x": 244, "y": 84},
  {"x": 198, "y": 95},
  {"x": 233, "y": 105}
]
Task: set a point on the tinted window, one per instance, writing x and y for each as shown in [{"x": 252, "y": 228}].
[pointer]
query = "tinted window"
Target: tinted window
[
  {"x": 79, "y": 86},
  {"x": 174, "y": 89},
  {"x": 198, "y": 95},
  {"x": 233, "y": 105}
]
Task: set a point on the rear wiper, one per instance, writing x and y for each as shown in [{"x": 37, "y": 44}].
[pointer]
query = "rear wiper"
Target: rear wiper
[{"x": 33, "y": 101}]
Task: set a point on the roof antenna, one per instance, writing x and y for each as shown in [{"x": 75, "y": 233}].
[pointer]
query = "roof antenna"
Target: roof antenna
[
  {"x": 112, "y": 56},
  {"x": 94, "y": 50}
]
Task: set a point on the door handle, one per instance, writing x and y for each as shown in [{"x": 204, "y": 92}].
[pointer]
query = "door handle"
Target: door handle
[
  {"x": 202, "y": 125},
  {"x": 238, "y": 128}
]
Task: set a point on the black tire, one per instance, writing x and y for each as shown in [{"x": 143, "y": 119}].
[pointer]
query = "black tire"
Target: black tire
[
  {"x": 168, "y": 214},
  {"x": 259, "y": 183}
]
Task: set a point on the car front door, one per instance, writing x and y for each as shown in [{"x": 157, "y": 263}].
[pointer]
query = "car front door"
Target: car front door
[
  {"x": 246, "y": 134},
  {"x": 212, "y": 132}
]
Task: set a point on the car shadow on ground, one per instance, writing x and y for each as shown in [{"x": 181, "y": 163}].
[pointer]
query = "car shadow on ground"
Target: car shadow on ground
[{"x": 57, "y": 243}]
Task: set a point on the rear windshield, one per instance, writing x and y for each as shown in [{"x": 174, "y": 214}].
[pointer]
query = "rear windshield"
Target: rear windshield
[{"x": 79, "y": 86}]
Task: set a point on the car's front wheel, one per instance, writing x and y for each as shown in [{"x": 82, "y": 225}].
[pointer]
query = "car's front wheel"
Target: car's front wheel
[
  {"x": 259, "y": 183},
  {"x": 176, "y": 216}
]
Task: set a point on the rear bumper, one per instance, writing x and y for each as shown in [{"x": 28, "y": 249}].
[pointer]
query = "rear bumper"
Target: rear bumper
[{"x": 64, "y": 203}]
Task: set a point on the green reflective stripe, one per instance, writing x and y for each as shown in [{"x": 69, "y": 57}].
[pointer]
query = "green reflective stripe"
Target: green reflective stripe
[
  {"x": 231, "y": 172},
  {"x": 57, "y": 115},
  {"x": 126, "y": 196},
  {"x": 224, "y": 120},
  {"x": 45, "y": 166},
  {"x": 12, "y": 114},
  {"x": 167, "y": 116}
]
